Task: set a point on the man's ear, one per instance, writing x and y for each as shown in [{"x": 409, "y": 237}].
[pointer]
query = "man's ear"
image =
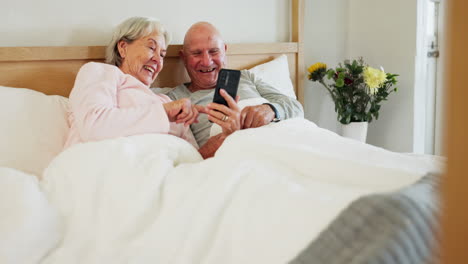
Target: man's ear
[
  {"x": 122, "y": 47},
  {"x": 182, "y": 55},
  {"x": 225, "y": 56}
]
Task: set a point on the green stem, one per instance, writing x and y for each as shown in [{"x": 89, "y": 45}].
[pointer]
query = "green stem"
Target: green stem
[{"x": 329, "y": 90}]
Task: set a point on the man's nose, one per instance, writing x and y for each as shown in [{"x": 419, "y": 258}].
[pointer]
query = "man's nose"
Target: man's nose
[{"x": 206, "y": 60}]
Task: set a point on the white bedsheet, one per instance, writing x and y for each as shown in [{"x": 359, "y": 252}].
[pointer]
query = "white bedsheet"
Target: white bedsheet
[
  {"x": 266, "y": 194},
  {"x": 29, "y": 225}
]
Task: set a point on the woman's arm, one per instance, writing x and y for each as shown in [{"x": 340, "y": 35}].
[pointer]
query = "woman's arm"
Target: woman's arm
[{"x": 94, "y": 104}]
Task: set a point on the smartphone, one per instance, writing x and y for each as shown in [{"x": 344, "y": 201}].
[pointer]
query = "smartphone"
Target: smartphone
[{"x": 227, "y": 80}]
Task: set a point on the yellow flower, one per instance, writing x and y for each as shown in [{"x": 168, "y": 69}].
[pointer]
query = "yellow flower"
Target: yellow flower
[
  {"x": 316, "y": 66},
  {"x": 374, "y": 79}
]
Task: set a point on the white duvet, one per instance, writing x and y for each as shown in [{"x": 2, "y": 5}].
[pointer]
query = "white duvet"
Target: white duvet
[{"x": 266, "y": 194}]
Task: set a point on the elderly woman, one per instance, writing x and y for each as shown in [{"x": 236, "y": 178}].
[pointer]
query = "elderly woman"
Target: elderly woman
[{"x": 114, "y": 99}]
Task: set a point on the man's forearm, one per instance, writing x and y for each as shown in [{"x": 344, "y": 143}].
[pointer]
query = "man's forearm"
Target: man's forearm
[
  {"x": 288, "y": 108},
  {"x": 211, "y": 146}
]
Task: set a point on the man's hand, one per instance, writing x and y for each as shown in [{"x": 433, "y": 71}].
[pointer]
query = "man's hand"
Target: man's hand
[
  {"x": 256, "y": 116},
  {"x": 229, "y": 118}
]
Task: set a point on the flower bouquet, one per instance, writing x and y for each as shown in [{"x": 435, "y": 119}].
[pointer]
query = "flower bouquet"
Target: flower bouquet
[{"x": 356, "y": 89}]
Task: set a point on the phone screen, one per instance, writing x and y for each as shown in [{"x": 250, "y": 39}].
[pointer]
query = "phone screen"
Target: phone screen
[{"x": 229, "y": 81}]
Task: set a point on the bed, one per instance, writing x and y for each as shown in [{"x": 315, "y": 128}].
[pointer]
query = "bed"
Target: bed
[{"x": 289, "y": 192}]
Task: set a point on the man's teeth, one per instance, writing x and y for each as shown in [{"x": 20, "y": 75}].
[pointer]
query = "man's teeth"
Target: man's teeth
[
  {"x": 149, "y": 69},
  {"x": 208, "y": 70}
]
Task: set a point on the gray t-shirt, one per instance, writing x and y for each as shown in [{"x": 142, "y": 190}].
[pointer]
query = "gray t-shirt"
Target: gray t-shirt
[{"x": 250, "y": 86}]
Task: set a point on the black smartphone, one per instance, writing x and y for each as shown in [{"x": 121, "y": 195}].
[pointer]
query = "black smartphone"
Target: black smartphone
[{"x": 227, "y": 80}]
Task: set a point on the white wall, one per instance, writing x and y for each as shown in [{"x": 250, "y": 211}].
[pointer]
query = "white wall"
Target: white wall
[
  {"x": 325, "y": 39},
  {"x": 384, "y": 33},
  {"x": 90, "y": 22},
  {"x": 381, "y": 31}
]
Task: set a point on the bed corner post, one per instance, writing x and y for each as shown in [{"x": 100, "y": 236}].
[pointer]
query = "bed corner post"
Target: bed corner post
[
  {"x": 297, "y": 36},
  {"x": 454, "y": 217}
]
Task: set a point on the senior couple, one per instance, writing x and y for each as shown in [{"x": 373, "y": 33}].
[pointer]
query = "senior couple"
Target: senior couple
[{"x": 114, "y": 99}]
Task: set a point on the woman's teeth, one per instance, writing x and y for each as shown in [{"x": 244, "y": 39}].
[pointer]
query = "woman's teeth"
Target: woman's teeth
[{"x": 149, "y": 69}]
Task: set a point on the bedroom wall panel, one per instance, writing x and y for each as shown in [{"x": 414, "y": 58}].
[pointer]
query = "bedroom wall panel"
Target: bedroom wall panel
[
  {"x": 325, "y": 36},
  {"x": 382, "y": 39},
  {"x": 89, "y": 22}
]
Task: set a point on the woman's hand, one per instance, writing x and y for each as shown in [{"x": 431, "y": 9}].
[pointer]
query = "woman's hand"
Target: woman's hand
[
  {"x": 182, "y": 111},
  {"x": 229, "y": 118}
]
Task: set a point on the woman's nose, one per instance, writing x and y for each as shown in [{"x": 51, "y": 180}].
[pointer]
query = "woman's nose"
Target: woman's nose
[{"x": 156, "y": 58}]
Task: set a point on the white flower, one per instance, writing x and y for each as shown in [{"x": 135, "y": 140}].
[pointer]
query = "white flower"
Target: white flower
[{"x": 374, "y": 79}]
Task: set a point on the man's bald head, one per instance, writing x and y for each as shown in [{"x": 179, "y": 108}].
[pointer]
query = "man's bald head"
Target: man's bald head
[{"x": 202, "y": 29}]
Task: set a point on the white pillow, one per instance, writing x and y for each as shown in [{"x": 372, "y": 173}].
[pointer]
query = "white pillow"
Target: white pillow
[
  {"x": 276, "y": 74},
  {"x": 33, "y": 128}
]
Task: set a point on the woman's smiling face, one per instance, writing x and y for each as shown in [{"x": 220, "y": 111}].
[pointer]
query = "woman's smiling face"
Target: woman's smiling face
[{"x": 144, "y": 57}]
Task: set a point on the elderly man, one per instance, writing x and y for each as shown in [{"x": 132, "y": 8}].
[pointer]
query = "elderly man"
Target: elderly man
[{"x": 204, "y": 54}]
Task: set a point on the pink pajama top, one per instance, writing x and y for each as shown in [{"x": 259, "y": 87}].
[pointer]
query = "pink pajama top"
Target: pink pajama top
[{"x": 107, "y": 103}]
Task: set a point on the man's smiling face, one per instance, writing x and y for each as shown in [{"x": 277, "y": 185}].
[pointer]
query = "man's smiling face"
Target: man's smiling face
[{"x": 204, "y": 55}]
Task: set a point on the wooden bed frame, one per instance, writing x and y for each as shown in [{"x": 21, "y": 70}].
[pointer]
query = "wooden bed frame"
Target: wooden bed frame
[{"x": 52, "y": 70}]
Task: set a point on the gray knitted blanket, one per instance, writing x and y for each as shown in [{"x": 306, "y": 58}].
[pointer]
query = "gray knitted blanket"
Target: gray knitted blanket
[{"x": 394, "y": 228}]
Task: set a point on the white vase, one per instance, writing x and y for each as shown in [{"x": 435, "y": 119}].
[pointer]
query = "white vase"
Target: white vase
[{"x": 355, "y": 130}]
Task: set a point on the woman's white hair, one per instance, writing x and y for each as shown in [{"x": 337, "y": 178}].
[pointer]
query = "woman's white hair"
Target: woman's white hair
[{"x": 131, "y": 30}]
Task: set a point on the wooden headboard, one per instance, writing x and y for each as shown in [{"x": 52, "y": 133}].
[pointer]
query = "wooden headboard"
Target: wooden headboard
[{"x": 52, "y": 70}]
